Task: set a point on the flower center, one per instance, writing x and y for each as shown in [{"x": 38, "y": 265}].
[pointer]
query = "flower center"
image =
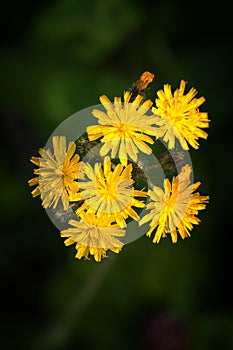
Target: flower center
[
  {"x": 108, "y": 191},
  {"x": 122, "y": 128},
  {"x": 170, "y": 201},
  {"x": 94, "y": 233}
]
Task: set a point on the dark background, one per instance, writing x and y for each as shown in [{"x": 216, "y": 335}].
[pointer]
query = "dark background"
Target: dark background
[{"x": 57, "y": 57}]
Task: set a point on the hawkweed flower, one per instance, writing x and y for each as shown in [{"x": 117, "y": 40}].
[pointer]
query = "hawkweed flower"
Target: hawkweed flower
[
  {"x": 174, "y": 210},
  {"x": 109, "y": 192},
  {"x": 56, "y": 173},
  {"x": 180, "y": 117},
  {"x": 124, "y": 127},
  {"x": 93, "y": 236},
  {"x": 97, "y": 184}
]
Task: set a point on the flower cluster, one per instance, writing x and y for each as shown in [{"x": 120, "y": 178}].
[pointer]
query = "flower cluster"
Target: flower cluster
[{"x": 104, "y": 194}]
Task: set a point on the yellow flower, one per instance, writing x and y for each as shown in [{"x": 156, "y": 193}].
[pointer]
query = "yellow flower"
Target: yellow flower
[
  {"x": 93, "y": 235},
  {"x": 181, "y": 118},
  {"x": 57, "y": 173},
  {"x": 108, "y": 192},
  {"x": 174, "y": 209},
  {"x": 123, "y": 127}
]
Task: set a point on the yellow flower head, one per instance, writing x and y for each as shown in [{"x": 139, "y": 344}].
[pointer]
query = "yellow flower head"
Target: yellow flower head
[
  {"x": 174, "y": 209},
  {"x": 56, "y": 174},
  {"x": 93, "y": 235},
  {"x": 123, "y": 127},
  {"x": 181, "y": 118},
  {"x": 109, "y": 192}
]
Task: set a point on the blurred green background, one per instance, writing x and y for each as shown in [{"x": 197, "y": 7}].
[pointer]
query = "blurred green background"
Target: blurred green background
[{"x": 57, "y": 57}]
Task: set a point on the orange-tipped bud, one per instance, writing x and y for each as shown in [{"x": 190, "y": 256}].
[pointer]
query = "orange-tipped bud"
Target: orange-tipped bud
[{"x": 145, "y": 79}]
